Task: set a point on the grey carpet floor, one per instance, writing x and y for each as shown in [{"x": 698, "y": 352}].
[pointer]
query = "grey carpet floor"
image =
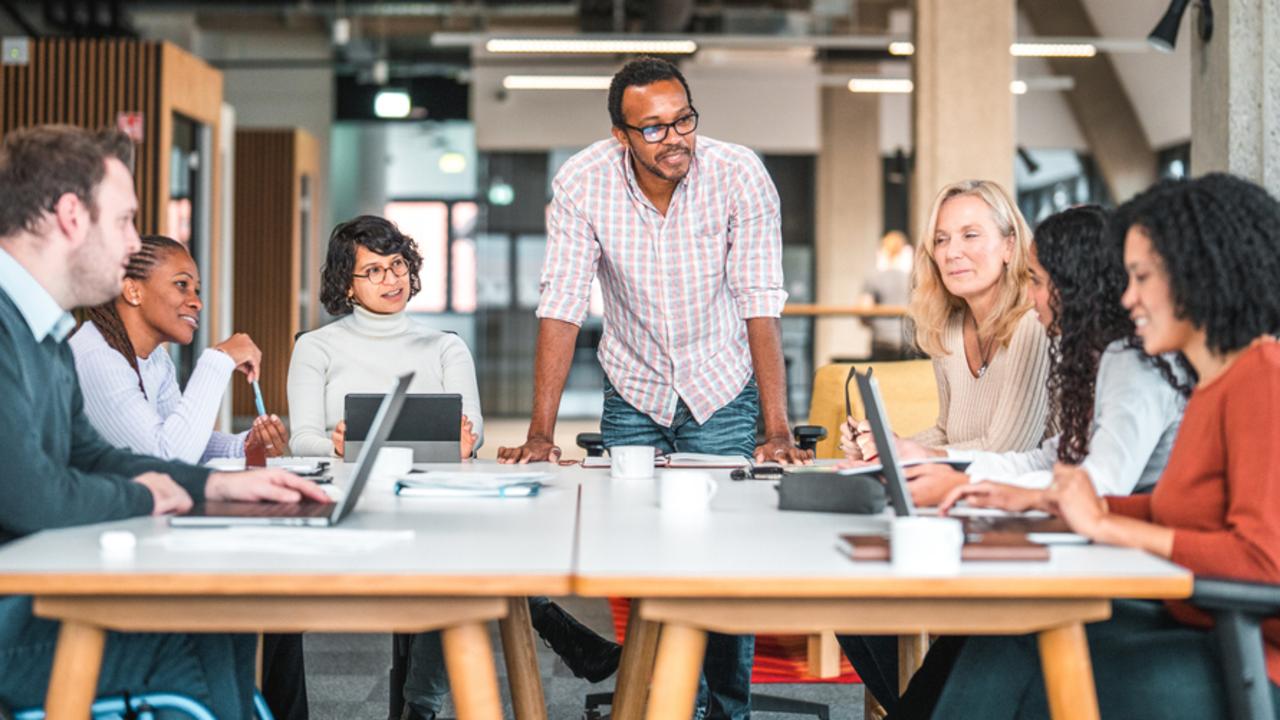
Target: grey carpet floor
[{"x": 347, "y": 677}]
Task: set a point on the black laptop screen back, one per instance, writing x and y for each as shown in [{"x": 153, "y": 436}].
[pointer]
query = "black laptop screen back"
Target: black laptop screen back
[
  {"x": 895, "y": 480},
  {"x": 425, "y": 417}
]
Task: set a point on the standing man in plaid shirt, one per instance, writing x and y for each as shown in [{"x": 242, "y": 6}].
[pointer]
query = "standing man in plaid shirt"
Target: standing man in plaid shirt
[{"x": 685, "y": 236}]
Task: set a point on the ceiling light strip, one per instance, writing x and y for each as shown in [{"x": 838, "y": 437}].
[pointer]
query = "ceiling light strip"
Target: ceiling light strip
[
  {"x": 1065, "y": 50},
  {"x": 571, "y": 46}
]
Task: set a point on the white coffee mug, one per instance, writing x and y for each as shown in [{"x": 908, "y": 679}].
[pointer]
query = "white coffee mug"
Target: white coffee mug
[
  {"x": 686, "y": 490},
  {"x": 926, "y": 545},
  {"x": 392, "y": 462},
  {"x": 631, "y": 462}
]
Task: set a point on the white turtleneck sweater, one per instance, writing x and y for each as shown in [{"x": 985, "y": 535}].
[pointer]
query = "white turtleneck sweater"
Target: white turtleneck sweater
[{"x": 364, "y": 352}]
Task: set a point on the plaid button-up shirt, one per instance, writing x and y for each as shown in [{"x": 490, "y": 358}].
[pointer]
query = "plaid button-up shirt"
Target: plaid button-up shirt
[{"x": 677, "y": 288}]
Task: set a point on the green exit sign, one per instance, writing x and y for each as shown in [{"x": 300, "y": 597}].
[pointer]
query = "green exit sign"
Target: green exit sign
[{"x": 15, "y": 51}]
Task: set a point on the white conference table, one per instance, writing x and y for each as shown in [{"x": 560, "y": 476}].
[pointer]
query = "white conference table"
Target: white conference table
[
  {"x": 746, "y": 567},
  {"x": 468, "y": 562},
  {"x": 742, "y": 567}
]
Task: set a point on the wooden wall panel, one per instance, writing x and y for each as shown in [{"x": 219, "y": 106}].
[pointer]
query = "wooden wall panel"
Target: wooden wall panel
[
  {"x": 89, "y": 82},
  {"x": 266, "y": 259}
]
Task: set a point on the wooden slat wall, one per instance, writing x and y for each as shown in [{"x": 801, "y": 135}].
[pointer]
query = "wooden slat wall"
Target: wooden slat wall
[
  {"x": 266, "y": 258},
  {"x": 89, "y": 82}
]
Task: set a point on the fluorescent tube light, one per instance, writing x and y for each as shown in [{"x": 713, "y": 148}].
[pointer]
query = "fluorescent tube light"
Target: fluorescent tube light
[
  {"x": 1033, "y": 49},
  {"x": 571, "y": 46},
  {"x": 880, "y": 85},
  {"x": 902, "y": 48}
]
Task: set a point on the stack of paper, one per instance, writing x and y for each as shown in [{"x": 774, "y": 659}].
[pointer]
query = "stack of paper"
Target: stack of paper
[{"x": 445, "y": 484}]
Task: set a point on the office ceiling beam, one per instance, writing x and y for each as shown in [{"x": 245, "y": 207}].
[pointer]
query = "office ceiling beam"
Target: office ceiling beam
[{"x": 1101, "y": 107}]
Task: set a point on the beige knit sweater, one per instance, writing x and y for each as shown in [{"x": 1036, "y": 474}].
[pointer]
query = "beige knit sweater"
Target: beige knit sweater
[{"x": 1005, "y": 410}]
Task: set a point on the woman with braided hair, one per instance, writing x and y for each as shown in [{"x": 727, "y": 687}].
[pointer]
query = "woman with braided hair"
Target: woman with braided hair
[{"x": 130, "y": 386}]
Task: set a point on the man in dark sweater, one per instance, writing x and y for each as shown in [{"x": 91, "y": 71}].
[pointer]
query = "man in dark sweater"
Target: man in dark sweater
[{"x": 67, "y": 207}]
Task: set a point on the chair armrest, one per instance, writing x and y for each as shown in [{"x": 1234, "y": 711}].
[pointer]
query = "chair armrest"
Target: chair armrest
[
  {"x": 1252, "y": 598},
  {"x": 593, "y": 443},
  {"x": 808, "y": 436}
]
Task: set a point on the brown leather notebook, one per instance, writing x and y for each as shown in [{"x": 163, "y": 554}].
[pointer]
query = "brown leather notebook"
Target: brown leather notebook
[{"x": 985, "y": 547}]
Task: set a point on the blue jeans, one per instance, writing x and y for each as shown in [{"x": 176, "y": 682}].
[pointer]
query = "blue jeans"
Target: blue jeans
[
  {"x": 725, "y": 688},
  {"x": 215, "y": 669}
]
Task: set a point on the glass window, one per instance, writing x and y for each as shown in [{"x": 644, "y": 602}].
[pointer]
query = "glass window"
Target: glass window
[
  {"x": 428, "y": 224},
  {"x": 493, "y": 286},
  {"x": 530, "y": 250}
]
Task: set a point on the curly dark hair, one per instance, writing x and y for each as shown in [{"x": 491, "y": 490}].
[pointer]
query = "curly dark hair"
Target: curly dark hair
[
  {"x": 106, "y": 317},
  {"x": 1216, "y": 236},
  {"x": 640, "y": 72},
  {"x": 375, "y": 234},
  {"x": 1087, "y": 277}
]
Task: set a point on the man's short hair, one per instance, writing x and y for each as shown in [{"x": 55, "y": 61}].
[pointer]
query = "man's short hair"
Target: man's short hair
[
  {"x": 41, "y": 164},
  {"x": 640, "y": 72}
]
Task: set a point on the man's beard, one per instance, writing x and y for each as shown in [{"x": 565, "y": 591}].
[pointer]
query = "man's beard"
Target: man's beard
[
  {"x": 95, "y": 277},
  {"x": 657, "y": 170}
]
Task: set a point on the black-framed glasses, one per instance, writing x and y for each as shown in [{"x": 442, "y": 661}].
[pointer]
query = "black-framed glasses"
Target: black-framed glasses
[
  {"x": 683, "y": 125},
  {"x": 398, "y": 267}
]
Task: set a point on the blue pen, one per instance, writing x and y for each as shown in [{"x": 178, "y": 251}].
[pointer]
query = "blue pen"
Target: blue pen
[{"x": 257, "y": 399}]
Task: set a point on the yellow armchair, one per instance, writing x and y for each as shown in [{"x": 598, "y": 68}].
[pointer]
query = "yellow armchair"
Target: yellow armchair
[{"x": 910, "y": 395}]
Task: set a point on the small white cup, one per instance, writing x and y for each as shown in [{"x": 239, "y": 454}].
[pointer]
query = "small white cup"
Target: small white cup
[
  {"x": 392, "y": 462},
  {"x": 686, "y": 491},
  {"x": 631, "y": 462},
  {"x": 926, "y": 546}
]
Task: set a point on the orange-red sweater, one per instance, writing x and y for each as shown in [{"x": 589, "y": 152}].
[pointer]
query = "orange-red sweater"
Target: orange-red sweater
[{"x": 1220, "y": 492}]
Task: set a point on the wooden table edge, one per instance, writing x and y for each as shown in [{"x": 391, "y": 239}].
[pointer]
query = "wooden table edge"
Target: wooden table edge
[
  {"x": 1160, "y": 588},
  {"x": 284, "y": 584}
]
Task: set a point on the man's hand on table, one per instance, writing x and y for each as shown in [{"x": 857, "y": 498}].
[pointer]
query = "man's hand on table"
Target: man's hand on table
[
  {"x": 167, "y": 496},
  {"x": 782, "y": 449},
  {"x": 262, "y": 485},
  {"x": 536, "y": 449}
]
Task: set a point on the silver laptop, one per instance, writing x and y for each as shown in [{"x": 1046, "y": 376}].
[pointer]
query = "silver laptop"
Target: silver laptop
[
  {"x": 308, "y": 514},
  {"x": 429, "y": 424},
  {"x": 896, "y": 480}
]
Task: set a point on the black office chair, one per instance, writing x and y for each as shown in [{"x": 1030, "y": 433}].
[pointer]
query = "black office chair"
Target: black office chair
[{"x": 1238, "y": 609}]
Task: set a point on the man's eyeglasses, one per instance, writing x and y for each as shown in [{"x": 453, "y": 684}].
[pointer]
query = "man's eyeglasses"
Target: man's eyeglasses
[
  {"x": 375, "y": 275},
  {"x": 657, "y": 133}
]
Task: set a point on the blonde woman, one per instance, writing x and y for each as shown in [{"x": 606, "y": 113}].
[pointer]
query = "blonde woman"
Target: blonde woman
[{"x": 973, "y": 318}]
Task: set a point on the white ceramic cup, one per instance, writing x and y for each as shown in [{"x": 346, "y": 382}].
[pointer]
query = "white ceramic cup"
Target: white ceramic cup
[
  {"x": 926, "y": 545},
  {"x": 631, "y": 462},
  {"x": 392, "y": 462},
  {"x": 686, "y": 491}
]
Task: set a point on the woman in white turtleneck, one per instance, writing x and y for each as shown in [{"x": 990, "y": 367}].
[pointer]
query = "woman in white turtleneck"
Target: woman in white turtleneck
[{"x": 369, "y": 275}]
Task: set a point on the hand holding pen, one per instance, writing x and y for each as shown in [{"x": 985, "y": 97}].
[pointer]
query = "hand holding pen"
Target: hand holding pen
[
  {"x": 268, "y": 430},
  {"x": 241, "y": 349}
]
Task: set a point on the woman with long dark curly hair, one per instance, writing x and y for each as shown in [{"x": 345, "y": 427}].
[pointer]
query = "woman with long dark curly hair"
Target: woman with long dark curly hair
[
  {"x": 1202, "y": 258},
  {"x": 369, "y": 275},
  {"x": 1117, "y": 408}
]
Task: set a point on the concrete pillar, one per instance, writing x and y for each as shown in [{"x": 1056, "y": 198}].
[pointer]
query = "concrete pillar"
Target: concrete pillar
[
  {"x": 962, "y": 110},
  {"x": 850, "y": 209},
  {"x": 1235, "y": 92}
]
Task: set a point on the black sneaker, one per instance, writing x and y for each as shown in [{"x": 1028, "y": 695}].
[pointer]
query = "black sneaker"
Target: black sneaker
[{"x": 588, "y": 655}]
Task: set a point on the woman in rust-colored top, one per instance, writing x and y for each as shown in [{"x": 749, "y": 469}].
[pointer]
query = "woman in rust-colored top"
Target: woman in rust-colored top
[{"x": 1203, "y": 258}]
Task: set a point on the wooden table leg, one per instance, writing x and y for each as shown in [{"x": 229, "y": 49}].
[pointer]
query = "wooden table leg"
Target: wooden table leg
[
  {"x": 676, "y": 672},
  {"x": 911, "y": 652},
  {"x": 521, "y": 655},
  {"x": 472, "y": 676},
  {"x": 76, "y": 663},
  {"x": 635, "y": 672},
  {"x": 1068, "y": 673}
]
